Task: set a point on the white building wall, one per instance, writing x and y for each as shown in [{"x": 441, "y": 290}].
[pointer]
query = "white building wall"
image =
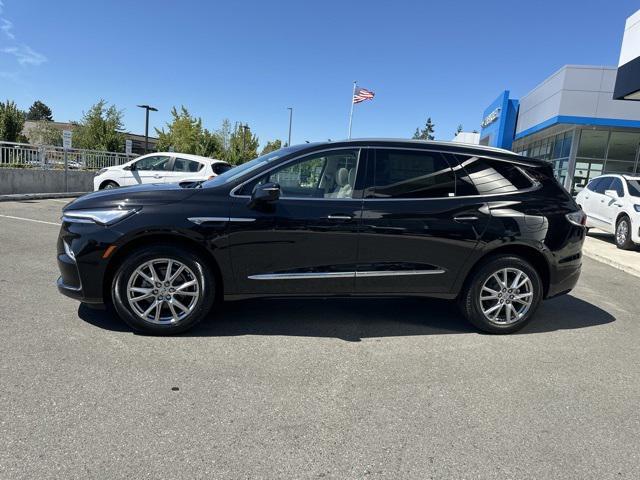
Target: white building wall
[
  {"x": 581, "y": 91},
  {"x": 467, "y": 137},
  {"x": 631, "y": 40}
]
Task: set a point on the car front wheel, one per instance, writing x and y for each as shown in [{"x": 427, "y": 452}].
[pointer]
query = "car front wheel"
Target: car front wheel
[
  {"x": 109, "y": 185},
  {"x": 502, "y": 295},
  {"x": 163, "y": 290}
]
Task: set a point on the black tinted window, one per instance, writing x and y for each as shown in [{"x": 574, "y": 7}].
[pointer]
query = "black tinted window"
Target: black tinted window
[
  {"x": 155, "y": 163},
  {"x": 593, "y": 184},
  {"x": 412, "y": 174},
  {"x": 494, "y": 176},
  {"x": 183, "y": 165},
  {"x": 616, "y": 184},
  {"x": 220, "y": 167},
  {"x": 634, "y": 188},
  {"x": 603, "y": 184}
]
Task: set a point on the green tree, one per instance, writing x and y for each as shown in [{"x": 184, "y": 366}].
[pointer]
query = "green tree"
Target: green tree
[
  {"x": 427, "y": 133},
  {"x": 39, "y": 111},
  {"x": 243, "y": 145},
  {"x": 11, "y": 122},
  {"x": 185, "y": 134},
  {"x": 44, "y": 133},
  {"x": 101, "y": 128},
  {"x": 271, "y": 146}
]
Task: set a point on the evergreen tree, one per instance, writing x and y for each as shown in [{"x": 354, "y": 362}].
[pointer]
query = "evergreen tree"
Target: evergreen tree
[{"x": 39, "y": 111}]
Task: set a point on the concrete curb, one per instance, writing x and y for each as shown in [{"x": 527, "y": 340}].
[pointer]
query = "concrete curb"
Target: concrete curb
[
  {"x": 627, "y": 265},
  {"x": 17, "y": 197}
]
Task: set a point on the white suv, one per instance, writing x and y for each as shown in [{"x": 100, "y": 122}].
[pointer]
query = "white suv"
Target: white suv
[
  {"x": 161, "y": 167},
  {"x": 612, "y": 204}
]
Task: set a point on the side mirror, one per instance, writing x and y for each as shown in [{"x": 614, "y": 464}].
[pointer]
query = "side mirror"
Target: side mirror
[
  {"x": 131, "y": 167},
  {"x": 611, "y": 194},
  {"x": 265, "y": 193}
]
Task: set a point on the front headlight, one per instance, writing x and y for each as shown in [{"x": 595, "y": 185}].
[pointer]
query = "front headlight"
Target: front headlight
[
  {"x": 101, "y": 171},
  {"x": 101, "y": 217}
]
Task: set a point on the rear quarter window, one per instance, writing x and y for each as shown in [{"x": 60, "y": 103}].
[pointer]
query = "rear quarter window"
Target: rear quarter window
[{"x": 492, "y": 177}]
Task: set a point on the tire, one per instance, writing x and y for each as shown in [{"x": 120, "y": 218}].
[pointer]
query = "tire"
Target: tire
[
  {"x": 505, "y": 321},
  {"x": 177, "y": 308},
  {"x": 623, "y": 234},
  {"x": 109, "y": 184}
]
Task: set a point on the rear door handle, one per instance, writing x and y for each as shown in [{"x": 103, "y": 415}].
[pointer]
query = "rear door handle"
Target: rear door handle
[
  {"x": 339, "y": 217},
  {"x": 467, "y": 218}
]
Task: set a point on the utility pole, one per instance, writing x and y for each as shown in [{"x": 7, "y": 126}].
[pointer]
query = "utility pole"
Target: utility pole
[
  {"x": 290, "y": 120},
  {"x": 146, "y": 125}
]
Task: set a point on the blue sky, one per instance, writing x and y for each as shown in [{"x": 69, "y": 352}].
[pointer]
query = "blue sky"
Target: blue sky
[{"x": 249, "y": 60}]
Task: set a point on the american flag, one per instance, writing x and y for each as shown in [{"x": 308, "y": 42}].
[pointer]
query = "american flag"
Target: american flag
[{"x": 362, "y": 94}]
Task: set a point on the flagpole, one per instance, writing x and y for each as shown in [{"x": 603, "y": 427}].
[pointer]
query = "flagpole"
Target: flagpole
[{"x": 351, "y": 112}]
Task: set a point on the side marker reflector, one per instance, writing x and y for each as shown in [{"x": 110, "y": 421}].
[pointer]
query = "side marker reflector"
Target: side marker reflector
[{"x": 108, "y": 251}]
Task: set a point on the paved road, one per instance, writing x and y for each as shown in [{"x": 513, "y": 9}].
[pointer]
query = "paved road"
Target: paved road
[{"x": 344, "y": 389}]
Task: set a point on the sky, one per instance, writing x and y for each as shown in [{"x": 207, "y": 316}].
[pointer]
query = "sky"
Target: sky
[{"x": 249, "y": 60}]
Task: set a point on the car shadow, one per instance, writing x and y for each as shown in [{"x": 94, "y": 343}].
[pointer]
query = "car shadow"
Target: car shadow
[{"x": 352, "y": 319}]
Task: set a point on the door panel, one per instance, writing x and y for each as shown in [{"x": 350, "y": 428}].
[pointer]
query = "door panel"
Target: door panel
[
  {"x": 150, "y": 169},
  {"x": 419, "y": 244},
  {"x": 426, "y": 242},
  {"x": 305, "y": 242},
  {"x": 183, "y": 168}
]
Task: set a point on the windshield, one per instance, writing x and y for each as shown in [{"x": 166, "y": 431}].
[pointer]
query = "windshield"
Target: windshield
[
  {"x": 634, "y": 187},
  {"x": 240, "y": 170}
]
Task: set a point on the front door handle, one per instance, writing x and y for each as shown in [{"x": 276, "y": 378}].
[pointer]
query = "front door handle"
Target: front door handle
[
  {"x": 340, "y": 217},
  {"x": 468, "y": 218}
]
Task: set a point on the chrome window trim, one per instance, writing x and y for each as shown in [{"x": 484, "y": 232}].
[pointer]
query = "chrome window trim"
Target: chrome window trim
[
  {"x": 201, "y": 220},
  {"x": 534, "y": 186},
  {"x": 364, "y": 274},
  {"x": 357, "y": 147}
]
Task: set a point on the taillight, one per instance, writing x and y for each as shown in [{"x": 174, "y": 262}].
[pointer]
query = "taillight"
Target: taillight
[{"x": 578, "y": 218}]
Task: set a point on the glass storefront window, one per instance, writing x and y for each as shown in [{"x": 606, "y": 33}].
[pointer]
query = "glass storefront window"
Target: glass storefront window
[
  {"x": 593, "y": 143},
  {"x": 615, "y": 166},
  {"x": 557, "y": 146},
  {"x": 623, "y": 146}
]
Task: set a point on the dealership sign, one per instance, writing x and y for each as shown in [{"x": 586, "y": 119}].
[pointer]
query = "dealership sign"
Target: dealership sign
[{"x": 489, "y": 119}]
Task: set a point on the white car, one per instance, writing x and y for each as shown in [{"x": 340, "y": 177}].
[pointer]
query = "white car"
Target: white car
[
  {"x": 161, "y": 167},
  {"x": 612, "y": 204}
]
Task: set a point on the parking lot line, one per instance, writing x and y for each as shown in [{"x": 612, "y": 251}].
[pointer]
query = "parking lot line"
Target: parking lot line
[{"x": 30, "y": 220}]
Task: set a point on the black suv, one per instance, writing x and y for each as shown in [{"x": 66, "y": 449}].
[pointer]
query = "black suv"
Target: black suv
[{"x": 485, "y": 226}]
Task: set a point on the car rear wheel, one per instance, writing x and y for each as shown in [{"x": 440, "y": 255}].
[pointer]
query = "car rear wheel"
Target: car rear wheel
[
  {"x": 163, "y": 290},
  {"x": 108, "y": 185},
  {"x": 623, "y": 234},
  {"x": 502, "y": 295}
]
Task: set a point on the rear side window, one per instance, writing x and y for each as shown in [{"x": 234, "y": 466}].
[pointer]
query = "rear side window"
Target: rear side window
[
  {"x": 634, "y": 188},
  {"x": 411, "y": 174},
  {"x": 492, "y": 177},
  {"x": 183, "y": 165},
  {"x": 616, "y": 184}
]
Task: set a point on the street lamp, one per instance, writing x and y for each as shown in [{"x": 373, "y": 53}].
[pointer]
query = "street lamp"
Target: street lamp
[
  {"x": 244, "y": 127},
  {"x": 290, "y": 119},
  {"x": 146, "y": 125}
]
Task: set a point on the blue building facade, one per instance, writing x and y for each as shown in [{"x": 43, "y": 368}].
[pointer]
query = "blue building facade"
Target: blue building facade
[{"x": 499, "y": 122}]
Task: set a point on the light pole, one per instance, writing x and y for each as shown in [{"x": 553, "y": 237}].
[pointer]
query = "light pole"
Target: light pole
[
  {"x": 290, "y": 120},
  {"x": 244, "y": 127},
  {"x": 146, "y": 125}
]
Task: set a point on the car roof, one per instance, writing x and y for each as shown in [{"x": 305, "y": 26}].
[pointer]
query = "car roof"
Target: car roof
[
  {"x": 187, "y": 156},
  {"x": 453, "y": 147}
]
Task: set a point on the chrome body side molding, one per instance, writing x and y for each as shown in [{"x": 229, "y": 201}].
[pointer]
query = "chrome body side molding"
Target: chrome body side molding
[{"x": 314, "y": 275}]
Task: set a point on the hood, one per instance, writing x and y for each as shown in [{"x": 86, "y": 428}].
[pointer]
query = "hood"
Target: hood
[{"x": 136, "y": 196}]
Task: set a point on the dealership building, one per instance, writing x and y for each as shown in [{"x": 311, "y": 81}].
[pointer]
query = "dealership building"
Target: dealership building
[{"x": 582, "y": 118}]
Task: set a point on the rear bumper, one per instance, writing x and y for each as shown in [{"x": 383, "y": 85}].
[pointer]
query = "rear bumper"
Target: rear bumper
[{"x": 564, "y": 279}]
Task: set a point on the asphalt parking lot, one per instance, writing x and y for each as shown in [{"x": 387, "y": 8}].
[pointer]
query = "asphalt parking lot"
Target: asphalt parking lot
[{"x": 345, "y": 389}]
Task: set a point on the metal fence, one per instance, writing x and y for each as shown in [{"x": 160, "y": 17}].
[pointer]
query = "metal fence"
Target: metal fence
[{"x": 24, "y": 155}]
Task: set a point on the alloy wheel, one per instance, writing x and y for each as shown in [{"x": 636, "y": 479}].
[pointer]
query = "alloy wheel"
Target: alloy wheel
[
  {"x": 506, "y": 296},
  {"x": 163, "y": 291},
  {"x": 622, "y": 232}
]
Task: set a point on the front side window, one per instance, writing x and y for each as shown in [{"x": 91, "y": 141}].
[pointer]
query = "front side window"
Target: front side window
[
  {"x": 411, "y": 174},
  {"x": 154, "y": 163},
  {"x": 492, "y": 177},
  {"x": 320, "y": 175},
  {"x": 603, "y": 184},
  {"x": 186, "y": 166}
]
